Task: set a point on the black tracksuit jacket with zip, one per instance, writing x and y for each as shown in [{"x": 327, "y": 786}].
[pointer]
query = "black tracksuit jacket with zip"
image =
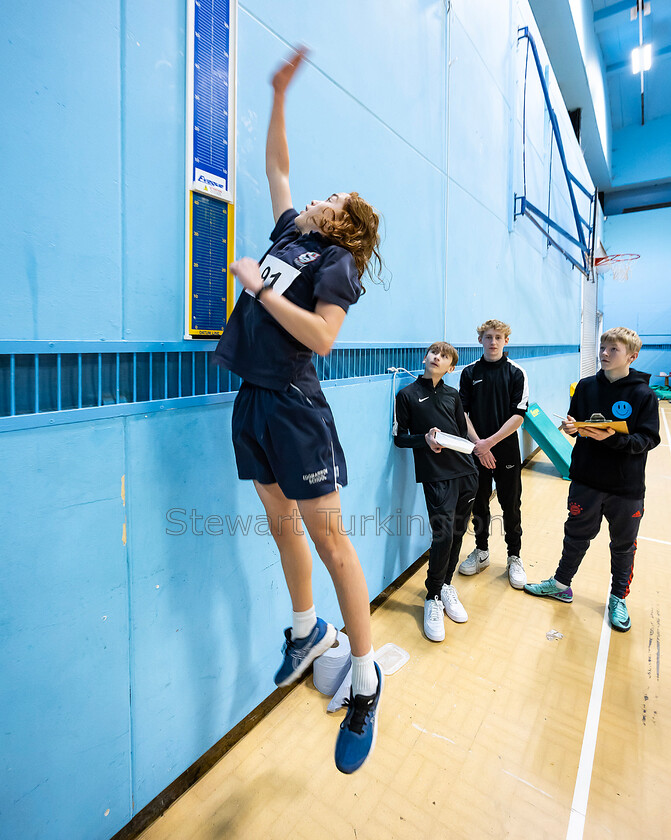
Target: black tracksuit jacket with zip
[
  {"x": 421, "y": 407},
  {"x": 617, "y": 464},
  {"x": 492, "y": 393}
]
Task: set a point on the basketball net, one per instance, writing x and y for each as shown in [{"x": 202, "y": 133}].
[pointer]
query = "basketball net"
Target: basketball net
[{"x": 617, "y": 265}]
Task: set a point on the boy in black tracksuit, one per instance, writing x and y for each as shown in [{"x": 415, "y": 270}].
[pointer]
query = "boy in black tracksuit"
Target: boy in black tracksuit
[
  {"x": 449, "y": 478},
  {"x": 607, "y": 470},
  {"x": 495, "y": 395}
]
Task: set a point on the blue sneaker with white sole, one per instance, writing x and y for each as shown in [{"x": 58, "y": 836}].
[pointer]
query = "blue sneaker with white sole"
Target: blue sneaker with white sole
[
  {"x": 300, "y": 653},
  {"x": 358, "y": 730},
  {"x": 549, "y": 589},
  {"x": 618, "y": 614}
]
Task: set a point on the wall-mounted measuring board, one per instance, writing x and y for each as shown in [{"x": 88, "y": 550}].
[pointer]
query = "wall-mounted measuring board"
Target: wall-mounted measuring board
[
  {"x": 210, "y": 165},
  {"x": 210, "y": 287},
  {"x": 211, "y": 97}
]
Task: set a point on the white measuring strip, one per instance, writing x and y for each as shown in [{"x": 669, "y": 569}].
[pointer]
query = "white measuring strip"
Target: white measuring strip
[{"x": 576, "y": 824}]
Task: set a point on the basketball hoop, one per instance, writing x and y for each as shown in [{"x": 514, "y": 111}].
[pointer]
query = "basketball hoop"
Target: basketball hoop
[{"x": 616, "y": 264}]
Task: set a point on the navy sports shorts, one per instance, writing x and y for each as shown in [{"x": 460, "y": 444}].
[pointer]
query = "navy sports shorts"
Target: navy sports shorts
[{"x": 287, "y": 438}]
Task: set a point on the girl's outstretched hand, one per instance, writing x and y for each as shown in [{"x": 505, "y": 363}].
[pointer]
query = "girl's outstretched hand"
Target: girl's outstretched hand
[
  {"x": 247, "y": 271},
  {"x": 282, "y": 78}
]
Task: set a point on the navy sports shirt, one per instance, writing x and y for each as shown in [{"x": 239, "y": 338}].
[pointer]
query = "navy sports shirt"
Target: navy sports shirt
[{"x": 304, "y": 268}]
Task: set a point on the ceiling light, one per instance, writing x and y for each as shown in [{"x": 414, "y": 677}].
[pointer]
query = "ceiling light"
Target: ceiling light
[{"x": 641, "y": 56}]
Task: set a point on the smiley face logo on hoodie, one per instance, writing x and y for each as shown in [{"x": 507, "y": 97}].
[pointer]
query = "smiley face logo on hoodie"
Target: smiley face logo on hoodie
[{"x": 621, "y": 410}]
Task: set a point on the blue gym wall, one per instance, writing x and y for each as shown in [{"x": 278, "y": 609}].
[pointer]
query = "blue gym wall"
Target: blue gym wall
[
  {"x": 642, "y": 301},
  {"x": 127, "y": 652}
]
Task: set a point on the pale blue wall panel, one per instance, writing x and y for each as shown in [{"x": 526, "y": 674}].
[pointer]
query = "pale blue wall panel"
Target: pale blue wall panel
[
  {"x": 646, "y": 233},
  {"x": 354, "y": 152},
  {"x": 493, "y": 33},
  {"x": 642, "y": 302},
  {"x": 493, "y": 274},
  {"x": 654, "y": 362},
  {"x": 153, "y": 163},
  {"x": 206, "y": 625},
  {"x": 388, "y": 58},
  {"x": 479, "y": 118},
  {"x": 59, "y": 165},
  {"x": 65, "y": 686},
  {"x": 632, "y": 167},
  {"x": 478, "y": 265}
]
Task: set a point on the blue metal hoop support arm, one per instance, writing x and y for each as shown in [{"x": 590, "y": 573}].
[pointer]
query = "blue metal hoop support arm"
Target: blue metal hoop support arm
[
  {"x": 530, "y": 208},
  {"x": 524, "y": 211},
  {"x": 524, "y": 207}
]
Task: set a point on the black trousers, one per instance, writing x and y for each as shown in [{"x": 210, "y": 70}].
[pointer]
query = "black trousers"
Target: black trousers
[
  {"x": 508, "y": 477},
  {"x": 586, "y": 508},
  {"x": 449, "y": 505}
]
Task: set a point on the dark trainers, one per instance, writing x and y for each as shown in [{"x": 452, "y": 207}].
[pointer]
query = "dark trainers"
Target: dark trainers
[
  {"x": 549, "y": 589},
  {"x": 300, "y": 653},
  {"x": 618, "y": 614},
  {"x": 358, "y": 730}
]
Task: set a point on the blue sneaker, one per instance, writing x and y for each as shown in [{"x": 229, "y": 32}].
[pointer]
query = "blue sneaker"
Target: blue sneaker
[
  {"x": 358, "y": 730},
  {"x": 300, "y": 653},
  {"x": 549, "y": 589},
  {"x": 618, "y": 614}
]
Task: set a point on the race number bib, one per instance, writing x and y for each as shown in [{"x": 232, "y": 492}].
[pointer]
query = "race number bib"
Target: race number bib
[{"x": 277, "y": 274}]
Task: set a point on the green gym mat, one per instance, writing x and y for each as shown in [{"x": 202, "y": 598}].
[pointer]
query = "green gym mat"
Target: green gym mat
[
  {"x": 549, "y": 438},
  {"x": 663, "y": 393}
]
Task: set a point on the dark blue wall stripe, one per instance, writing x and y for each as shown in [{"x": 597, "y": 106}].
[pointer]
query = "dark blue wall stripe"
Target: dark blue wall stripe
[{"x": 50, "y": 382}]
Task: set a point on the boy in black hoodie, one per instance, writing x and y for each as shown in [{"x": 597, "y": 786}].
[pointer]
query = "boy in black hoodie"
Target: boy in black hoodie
[{"x": 607, "y": 470}]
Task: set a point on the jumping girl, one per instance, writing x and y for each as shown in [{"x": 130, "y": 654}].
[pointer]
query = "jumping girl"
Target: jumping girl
[{"x": 285, "y": 440}]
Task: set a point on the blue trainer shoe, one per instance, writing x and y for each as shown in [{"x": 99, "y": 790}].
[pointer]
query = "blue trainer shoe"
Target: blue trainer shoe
[
  {"x": 358, "y": 730},
  {"x": 300, "y": 653},
  {"x": 618, "y": 614},
  {"x": 549, "y": 589}
]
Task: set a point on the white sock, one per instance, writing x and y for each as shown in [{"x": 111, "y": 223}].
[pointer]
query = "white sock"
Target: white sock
[
  {"x": 560, "y": 586},
  {"x": 364, "y": 675},
  {"x": 303, "y": 622}
]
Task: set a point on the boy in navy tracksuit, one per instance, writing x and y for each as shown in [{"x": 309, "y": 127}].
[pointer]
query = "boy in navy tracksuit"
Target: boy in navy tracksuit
[
  {"x": 449, "y": 478},
  {"x": 607, "y": 470}
]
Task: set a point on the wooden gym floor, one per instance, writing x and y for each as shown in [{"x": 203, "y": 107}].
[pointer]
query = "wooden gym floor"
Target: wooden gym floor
[{"x": 497, "y": 732}]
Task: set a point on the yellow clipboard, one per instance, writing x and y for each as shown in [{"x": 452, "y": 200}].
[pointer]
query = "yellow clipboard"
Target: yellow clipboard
[{"x": 615, "y": 425}]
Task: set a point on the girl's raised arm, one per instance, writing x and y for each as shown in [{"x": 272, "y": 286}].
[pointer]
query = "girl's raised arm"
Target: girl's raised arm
[{"x": 277, "y": 149}]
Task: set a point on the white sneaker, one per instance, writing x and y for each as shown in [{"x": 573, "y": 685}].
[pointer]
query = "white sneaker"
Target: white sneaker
[
  {"x": 453, "y": 606},
  {"x": 476, "y": 561},
  {"x": 516, "y": 574},
  {"x": 434, "y": 626}
]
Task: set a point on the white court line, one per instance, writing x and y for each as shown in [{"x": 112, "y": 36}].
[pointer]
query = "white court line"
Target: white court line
[
  {"x": 650, "y": 539},
  {"x": 666, "y": 426},
  {"x": 576, "y": 824}
]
